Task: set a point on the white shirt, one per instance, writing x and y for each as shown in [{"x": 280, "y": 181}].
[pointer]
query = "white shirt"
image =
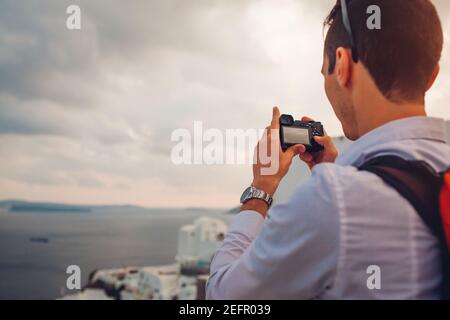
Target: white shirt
[{"x": 320, "y": 243}]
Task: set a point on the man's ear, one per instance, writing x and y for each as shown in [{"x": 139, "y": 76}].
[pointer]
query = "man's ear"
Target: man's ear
[
  {"x": 343, "y": 66},
  {"x": 433, "y": 77}
]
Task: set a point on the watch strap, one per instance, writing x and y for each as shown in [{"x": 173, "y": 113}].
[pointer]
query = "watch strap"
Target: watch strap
[{"x": 256, "y": 193}]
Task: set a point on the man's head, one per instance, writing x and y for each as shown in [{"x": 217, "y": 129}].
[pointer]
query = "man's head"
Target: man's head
[{"x": 396, "y": 65}]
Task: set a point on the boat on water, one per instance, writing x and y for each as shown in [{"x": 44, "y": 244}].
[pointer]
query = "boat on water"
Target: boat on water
[
  {"x": 184, "y": 280},
  {"x": 39, "y": 239}
]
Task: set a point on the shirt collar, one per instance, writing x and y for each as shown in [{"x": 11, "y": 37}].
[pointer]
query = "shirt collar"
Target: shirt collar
[{"x": 425, "y": 128}]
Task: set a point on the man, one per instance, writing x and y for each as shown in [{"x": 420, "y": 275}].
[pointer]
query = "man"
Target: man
[{"x": 342, "y": 224}]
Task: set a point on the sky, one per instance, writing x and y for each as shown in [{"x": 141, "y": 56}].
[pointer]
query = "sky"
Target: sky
[{"x": 86, "y": 116}]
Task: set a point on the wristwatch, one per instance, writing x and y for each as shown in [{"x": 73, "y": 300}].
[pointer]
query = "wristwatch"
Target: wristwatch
[{"x": 254, "y": 193}]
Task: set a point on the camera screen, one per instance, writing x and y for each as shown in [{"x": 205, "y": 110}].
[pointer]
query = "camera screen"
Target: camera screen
[{"x": 296, "y": 135}]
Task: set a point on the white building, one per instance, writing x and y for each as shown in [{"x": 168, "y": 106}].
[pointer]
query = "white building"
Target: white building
[
  {"x": 187, "y": 288},
  {"x": 159, "y": 283},
  {"x": 88, "y": 294},
  {"x": 197, "y": 242},
  {"x": 117, "y": 277}
]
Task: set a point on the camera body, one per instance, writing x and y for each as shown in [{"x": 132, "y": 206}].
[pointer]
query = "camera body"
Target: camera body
[{"x": 294, "y": 132}]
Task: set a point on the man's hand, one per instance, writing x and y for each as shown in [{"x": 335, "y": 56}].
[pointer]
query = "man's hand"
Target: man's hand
[
  {"x": 268, "y": 175},
  {"x": 271, "y": 164},
  {"x": 329, "y": 154}
]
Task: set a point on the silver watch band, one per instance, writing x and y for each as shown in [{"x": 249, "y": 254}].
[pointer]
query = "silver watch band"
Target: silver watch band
[{"x": 254, "y": 193}]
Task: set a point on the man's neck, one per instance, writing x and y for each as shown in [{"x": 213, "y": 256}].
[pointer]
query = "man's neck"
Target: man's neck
[
  {"x": 376, "y": 115},
  {"x": 372, "y": 109}
]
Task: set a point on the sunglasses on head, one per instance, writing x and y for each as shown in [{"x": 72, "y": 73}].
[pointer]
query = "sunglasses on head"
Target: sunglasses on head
[{"x": 348, "y": 29}]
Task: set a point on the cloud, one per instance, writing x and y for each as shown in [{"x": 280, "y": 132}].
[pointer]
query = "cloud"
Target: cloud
[{"x": 86, "y": 116}]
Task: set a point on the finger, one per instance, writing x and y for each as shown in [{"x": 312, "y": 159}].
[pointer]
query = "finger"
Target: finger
[
  {"x": 299, "y": 149},
  {"x": 307, "y": 119},
  {"x": 275, "y": 118},
  {"x": 307, "y": 157},
  {"x": 295, "y": 150},
  {"x": 324, "y": 141}
]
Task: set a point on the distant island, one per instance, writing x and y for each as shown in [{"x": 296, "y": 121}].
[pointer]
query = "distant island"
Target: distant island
[
  {"x": 31, "y": 206},
  {"x": 36, "y": 207},
  {"x": 25, "y": 206}
]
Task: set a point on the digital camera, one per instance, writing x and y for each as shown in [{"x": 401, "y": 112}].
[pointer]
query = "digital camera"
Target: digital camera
[{"x": 294, "y": 132}]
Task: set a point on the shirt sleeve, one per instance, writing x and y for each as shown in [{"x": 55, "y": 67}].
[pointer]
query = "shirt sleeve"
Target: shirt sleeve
[{"x": 290, "y": 255}]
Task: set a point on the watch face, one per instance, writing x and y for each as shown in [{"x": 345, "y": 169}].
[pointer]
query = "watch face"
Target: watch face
[{"x": 247, "y": 193}]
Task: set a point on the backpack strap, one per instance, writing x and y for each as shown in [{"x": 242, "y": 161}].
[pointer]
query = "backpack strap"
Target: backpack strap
[
  {"x": 444, "y": 200},
  {"x": 417, "y": 182}
]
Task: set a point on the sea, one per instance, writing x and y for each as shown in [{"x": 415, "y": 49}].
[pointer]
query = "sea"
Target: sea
[{"x": 37, "y": 247}]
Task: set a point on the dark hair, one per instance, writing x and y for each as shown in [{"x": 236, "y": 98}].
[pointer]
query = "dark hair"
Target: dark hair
[{"x": 402, "y": 55}]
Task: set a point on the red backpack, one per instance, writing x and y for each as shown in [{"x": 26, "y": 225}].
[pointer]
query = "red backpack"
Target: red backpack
[{"x": 428, "y": 192}]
